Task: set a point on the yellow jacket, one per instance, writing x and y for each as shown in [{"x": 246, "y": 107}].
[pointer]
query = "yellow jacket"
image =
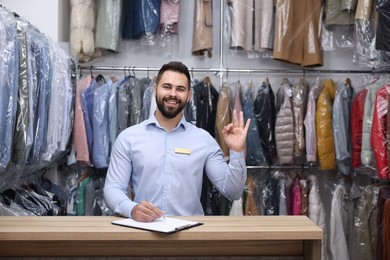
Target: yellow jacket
[{"x": 325, "y": 144}]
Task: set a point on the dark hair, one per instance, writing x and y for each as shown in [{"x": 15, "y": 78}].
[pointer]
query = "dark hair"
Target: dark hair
[{"x": 176, "y": 66}]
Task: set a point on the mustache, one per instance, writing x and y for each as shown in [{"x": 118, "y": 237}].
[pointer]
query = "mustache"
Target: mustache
[{"x": 171, "y": 98}]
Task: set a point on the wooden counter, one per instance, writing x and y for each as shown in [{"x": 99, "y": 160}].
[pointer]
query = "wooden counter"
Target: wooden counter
[{"x": 219, "y": 236}]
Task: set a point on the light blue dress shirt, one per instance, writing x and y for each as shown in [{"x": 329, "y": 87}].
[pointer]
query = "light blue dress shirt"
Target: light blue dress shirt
[{"x": 166, "y": 168}]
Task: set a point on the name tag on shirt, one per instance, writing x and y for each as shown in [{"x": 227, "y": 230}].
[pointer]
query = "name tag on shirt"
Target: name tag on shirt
[{"x": 182, "y": 151}]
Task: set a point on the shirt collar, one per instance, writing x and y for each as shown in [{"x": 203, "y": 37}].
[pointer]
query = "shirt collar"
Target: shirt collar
[{"x": 182, "y": 123}]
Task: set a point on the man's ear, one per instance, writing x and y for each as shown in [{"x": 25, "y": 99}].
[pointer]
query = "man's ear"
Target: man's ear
[
  {"x": 189, "y": 95},
  {"x": 154, "y": 89}
]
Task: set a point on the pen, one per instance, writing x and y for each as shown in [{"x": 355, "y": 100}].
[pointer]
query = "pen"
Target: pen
[{"x": 162, "y": 216}]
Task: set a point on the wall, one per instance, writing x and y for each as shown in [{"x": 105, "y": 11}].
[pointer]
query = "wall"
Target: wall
[
  {"x": 51, "y": 17},
  {"x": 53, "y": 20}
]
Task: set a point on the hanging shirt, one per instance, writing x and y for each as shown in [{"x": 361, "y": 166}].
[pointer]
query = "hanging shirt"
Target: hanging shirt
[
  {"x": 357, "y": 126},
  {"x": 9, "y": 66},
  {"x": 79, "y": 133},
  {"x": 202, "y": 39},
  {"x": 174, "y": 162},
  {"x": 100, "y": 152}
]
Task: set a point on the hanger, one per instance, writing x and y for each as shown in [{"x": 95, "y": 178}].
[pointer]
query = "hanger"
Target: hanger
[
  {"x": 207, "y": 81},
  {"x": 347, "y": 82}
]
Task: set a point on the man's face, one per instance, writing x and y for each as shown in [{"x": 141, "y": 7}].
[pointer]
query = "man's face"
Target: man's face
[{"x": 172, "y": 93}]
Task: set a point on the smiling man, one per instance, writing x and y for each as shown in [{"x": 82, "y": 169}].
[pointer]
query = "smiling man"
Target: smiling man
[{"x": 163, "y": 157}]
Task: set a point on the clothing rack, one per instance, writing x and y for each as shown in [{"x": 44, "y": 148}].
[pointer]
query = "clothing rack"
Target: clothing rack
[{"x": 218, "y": 71}]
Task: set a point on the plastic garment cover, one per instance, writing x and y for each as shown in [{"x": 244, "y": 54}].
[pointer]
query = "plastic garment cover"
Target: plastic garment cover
[
  {"x": 141, "y": 20},
  {"x": 342, "y": 131},
  {"x": 325, "y": 143},
  {"x": 271, "y": 195},
  {"x": 13, "y": 209},
  {"x": 310, "y": 123},
  {"x": 101, "y": 146},
  {"x": 206, "y": 98},
  {"x": 40, "y": 76},
  {"x": 147, "y": 100},
  {"x": 316, "y": 211},
  {"x": 299, "y": 106},
  {"x": 243, "y": 19},
  {"x": 136, "y": 96},
  {"x": 223, "y": 117},
  {"x": 296, "y": 197},
  {"x": 383, "y": 26},
  {"x": 284, "y": 124},
  {"x": 79, "y": 131},
  {"x": 254, "y": 154},
  {"x": 8, "y": 85},
  {"x": 108, "y": 24},
  {"x": 340, "y": 12},
  {"x": 378, "y": 132},
  {"x": 202, "y": 38},
  {"x": 22, "y": 120},
  {"x": 264, "y": 111},
  {"x": 342, "y": 241},
  {"x": 190, "y": 108},
  {"x": 383, "y": 196},
  {"x": 61, "y": 109},
  {"x": 365, "y": 223},
  {"x": 297, "y": 32},
  {"x": 365, "y": 52},
  {"x": 82, "y": 26},
  {"x": 357, "y": 127},
  {"x": 250, "y": 207},
  {"x": 367, "y": 155},
  {"x": 169, "y": 22},
  {"x": 237, "y": 208}
]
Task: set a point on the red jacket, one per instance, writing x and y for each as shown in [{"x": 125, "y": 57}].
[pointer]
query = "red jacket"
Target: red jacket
[
  {"x": 378, "y": 132},
  {"x": 357, "y": 127}
]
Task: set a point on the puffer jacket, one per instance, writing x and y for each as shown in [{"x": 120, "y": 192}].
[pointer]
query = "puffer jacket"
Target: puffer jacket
[
  {"x": 264, "y": 111},
  {"x": 299, "y": 104},
  {"x": 378, "y": 132},
  {"x": 284, "y": 125},
  {"x": 325, "y": 144},
  {"x": 367, "y": 155},
  {"x": 310, "y": 122},
  {"x": 357, "y": 127}
]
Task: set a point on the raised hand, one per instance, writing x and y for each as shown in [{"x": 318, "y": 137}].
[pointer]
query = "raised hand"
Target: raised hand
[{"x": 235, "y": 133}]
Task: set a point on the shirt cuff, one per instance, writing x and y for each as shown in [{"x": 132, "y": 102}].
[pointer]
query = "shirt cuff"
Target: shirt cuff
[
  {"x": 237, "y": 159},
  {"x": 125, "y": 207}
]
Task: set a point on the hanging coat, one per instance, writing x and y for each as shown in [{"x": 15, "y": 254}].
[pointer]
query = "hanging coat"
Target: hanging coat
[
  {"x": 325, "y": 144},
  {"x": 296, "y": 32},
  {"x": 310, "y": 122},
  {"x": 342, "y": 128},
  {"x": 223, "y": 117},
  {"x": 299, "y": 103},
  {"x": 284, "y": 125},
  {"x": 202, "y": 38},
  {"x": 378, "y": 132},
  {"x": 367, "y": 155},
  {"x": 357, "y": 126},
  {"x": 264, "y": 111}
]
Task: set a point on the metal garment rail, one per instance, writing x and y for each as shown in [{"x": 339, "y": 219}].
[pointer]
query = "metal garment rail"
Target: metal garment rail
[{"x": 227, "y": 70}]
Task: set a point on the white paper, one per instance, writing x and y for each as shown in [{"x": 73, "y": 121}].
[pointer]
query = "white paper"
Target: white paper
[{"x": 167, "y": 225}]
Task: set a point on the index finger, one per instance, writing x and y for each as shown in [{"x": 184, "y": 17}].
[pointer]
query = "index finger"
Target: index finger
[{"x": 154, "y": 209}]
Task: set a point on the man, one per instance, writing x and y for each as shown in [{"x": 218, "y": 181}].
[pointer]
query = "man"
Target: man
[{"x": 163, "y": 157}]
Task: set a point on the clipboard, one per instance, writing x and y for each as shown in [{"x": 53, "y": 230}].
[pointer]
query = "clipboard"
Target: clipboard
[{"x": 167, "y": 225}]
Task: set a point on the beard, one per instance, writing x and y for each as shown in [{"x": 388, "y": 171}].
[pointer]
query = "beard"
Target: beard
[{"x": 170, "y": 112}]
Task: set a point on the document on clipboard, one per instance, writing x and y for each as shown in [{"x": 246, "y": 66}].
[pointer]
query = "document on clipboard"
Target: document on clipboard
[{"x": 164, "y": 225}]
